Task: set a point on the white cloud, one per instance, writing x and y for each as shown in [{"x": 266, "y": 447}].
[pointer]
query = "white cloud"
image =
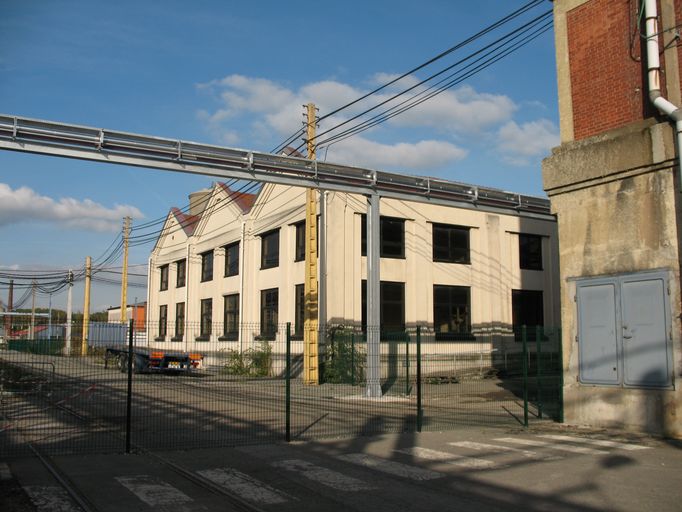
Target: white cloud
[
  {"x": 24, "y": 205},
  {"x": 421, "y": 156},
  {"x": 520, "y": 143}
]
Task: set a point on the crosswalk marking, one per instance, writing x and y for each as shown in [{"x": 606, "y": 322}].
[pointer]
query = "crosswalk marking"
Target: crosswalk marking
[
  {"x": 554, "y": 446},
  {"x": 449, "y": 458},
  {"x": 596, "y": 442},
  {"x": 324, "y": 476},
  {"x": 153, "y": 491},
  {"x": 390, "y": 467},
  {"x": 50, "y": 499},
  {"x": 245, "y": 486},
  {"x": 499, "y": 448}
]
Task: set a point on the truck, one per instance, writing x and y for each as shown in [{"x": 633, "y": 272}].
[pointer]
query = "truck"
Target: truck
[{"x": 152, "y": 360}]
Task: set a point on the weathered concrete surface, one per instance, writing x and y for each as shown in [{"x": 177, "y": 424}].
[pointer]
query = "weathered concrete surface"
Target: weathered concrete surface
[{"x": 618, "y": 212}]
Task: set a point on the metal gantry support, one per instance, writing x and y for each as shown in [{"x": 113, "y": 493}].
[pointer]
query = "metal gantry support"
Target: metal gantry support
[{"x": 373, "y": 298}]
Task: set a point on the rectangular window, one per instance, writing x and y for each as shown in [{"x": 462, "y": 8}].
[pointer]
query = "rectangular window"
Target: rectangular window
[
  {"x": 163, "y": 322},
  {"x": 206, "y": 320},
  {"x": 179, "y": 321},
  {"x": 269, "y": 305},
  {"x": 300, "y": 241},
  {"x": 269, "y": 249},
  {"x": 530, "y": 252},
  {"x": 527, "y": 309},
  {"x": 207, "y": 266},
  {"x": 391, "y": 237},
  {"x": 164, "y": 277},
  {"x": 451, "y": 244},
  {"x": 181, "y": 267},
  {"x": 231, "y": 318},
  {"x": 299, "y": 314},
  {"x": 452, "y": 312},
  {"x": 232, "y": 259},
  {"x": 391, "y": 306}
]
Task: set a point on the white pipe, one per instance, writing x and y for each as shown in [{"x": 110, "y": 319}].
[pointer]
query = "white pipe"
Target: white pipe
[
  {"x": 242, "y": 264},
  {"x": 654, "y": 71}
]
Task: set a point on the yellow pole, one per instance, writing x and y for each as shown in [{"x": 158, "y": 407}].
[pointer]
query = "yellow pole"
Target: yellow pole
[
  {"x": 86, "y": 306},
  {"x": 310, "y": 341},
  {"x": 124, "y": 272}
]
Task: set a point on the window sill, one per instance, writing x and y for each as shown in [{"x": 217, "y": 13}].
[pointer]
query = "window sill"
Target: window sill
[
  {"x": 160, "y": 338},
  {"x": 452, "y": 262},
  {"x": 265, "y": 337},
  {"x": 206, "y": 280},
  {"x": 271, "y": 266},
  {"x": 229, "y": 337},
  {"x": 206, "y": 337},
  {"x": 177, "y": 338},
  {"x": 231, "y": 275},
  {"x": 296, "y": 337}
]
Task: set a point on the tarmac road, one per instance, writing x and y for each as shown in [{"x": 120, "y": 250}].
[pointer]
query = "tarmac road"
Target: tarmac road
[{"x": 556, "y": 468}]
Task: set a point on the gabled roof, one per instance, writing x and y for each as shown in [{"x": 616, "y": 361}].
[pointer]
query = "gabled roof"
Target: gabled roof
[
  {"x": 188, "y": 222},
  {"x": 242, "y": 199}
]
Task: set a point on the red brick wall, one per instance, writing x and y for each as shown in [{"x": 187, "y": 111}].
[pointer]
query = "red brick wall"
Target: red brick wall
[{"x": 606, "y": 83}]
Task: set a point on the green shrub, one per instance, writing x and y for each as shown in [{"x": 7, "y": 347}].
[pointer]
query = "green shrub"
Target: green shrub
[
  {"x": 344, "y": 364},
  {"x": 256, "y": 362}
]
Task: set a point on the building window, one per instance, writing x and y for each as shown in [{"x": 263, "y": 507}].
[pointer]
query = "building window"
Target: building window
[
  {"x": 300, "y": 241},
  {"x": 179, "y": 321},
  {"x": 299, "y": 313},
  {"x": 269, "y": 249},
  {"x": 451, "y": 244},
  {"x": 163, "y": 322},
  {"x": 452, "y": 312},
  {"x": 206, "y": 325},
  {"x": 230, "y": 318},
  {"x": 391, "y": 237},
  {"x": 207, "y": 266},
  {"x": 181, "y": 267},
  {"x": 527, "y": 309},
  {"x": 232, "y": 259},
  {"x": 164, "y": 277},
  {"x": 530, "y": 252},
  {"x": 269, "y": 305},
  {"x": 391, "y": 306}
]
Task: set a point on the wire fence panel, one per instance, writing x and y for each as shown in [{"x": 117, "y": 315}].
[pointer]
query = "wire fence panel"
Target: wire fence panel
[{"x": 202, "y": 385}]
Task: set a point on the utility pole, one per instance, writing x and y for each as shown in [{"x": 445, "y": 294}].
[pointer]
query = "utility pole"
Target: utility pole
[
  {"x": 32, "y": 330},
  {"x": 69, "y": 307},
  {"x": 86, "y": 306},
  {"x": 8, "y": 318},
  {"x": 310, "y": 334},
  {"x": 124, "y": 273}
]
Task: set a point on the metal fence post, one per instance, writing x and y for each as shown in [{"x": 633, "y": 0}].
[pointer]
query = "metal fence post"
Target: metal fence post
[
  {"x": 407, "y": 365},
  {"x": 419, "y": 380},
  {"x": 561, "y": 375},
  {"x": 538, "y": 368},
  {"x": 524, "y": 339},
  {"x": 288, "y": 384},
  {"x": 129, "y": 396}
]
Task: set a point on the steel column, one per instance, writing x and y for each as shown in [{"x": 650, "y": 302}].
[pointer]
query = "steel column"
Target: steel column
[{"x": 373, "y": 305}]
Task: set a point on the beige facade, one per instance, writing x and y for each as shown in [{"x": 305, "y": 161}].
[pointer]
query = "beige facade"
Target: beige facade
[{"x": 490, "y": 276}]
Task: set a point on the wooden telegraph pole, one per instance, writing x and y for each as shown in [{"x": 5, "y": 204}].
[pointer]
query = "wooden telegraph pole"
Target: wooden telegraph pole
[
  {"x": 310, "y": 338},
  {"x": 124, "y": 272}
]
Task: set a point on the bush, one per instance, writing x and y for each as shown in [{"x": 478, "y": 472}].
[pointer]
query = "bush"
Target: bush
[
  {"x": 256, "y": 362},
  {"x": 343, "y": 362}
]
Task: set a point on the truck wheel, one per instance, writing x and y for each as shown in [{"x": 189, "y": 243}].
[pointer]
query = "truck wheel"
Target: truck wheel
[
  {"x": 123, "y": 363},
  {"x": 138, "y": 364}
]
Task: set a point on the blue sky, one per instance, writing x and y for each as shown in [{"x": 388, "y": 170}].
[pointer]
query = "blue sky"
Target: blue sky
[{"x": 237, "y": 73}]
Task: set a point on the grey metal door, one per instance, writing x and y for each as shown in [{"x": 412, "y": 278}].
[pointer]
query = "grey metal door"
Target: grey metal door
[
  {"x": 624, "y": 330},
  {"x": 645, "y": 332}
]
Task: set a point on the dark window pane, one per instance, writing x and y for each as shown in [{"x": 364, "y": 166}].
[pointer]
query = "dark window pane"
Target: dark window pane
[
  {"x": 269, "y": 304},
  {"x": 163, "y": 320},
  {"x": 530, "y": 252},
  {"x": 450, "y": 244},
  {"x": 451, "y": 312},
  {"x": 270, "y": 249},
  {"x": 391, "y": 237},
  {"x": 207, "y": 266},
  {"x": 206, "y": 317},
  {"x": 231, "y": 317},
  {"x": 300, "y": 242},
  {"x": 232, "y": 259},
  {"x": 180, "y": 320},
  {"x": 391, "y": 306},
  {"x": 527, "y": 309},
  {"x": 164, "y": 278},
  {"x": 181, "y": 267},
  {"x": 300, "y": 310}
]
